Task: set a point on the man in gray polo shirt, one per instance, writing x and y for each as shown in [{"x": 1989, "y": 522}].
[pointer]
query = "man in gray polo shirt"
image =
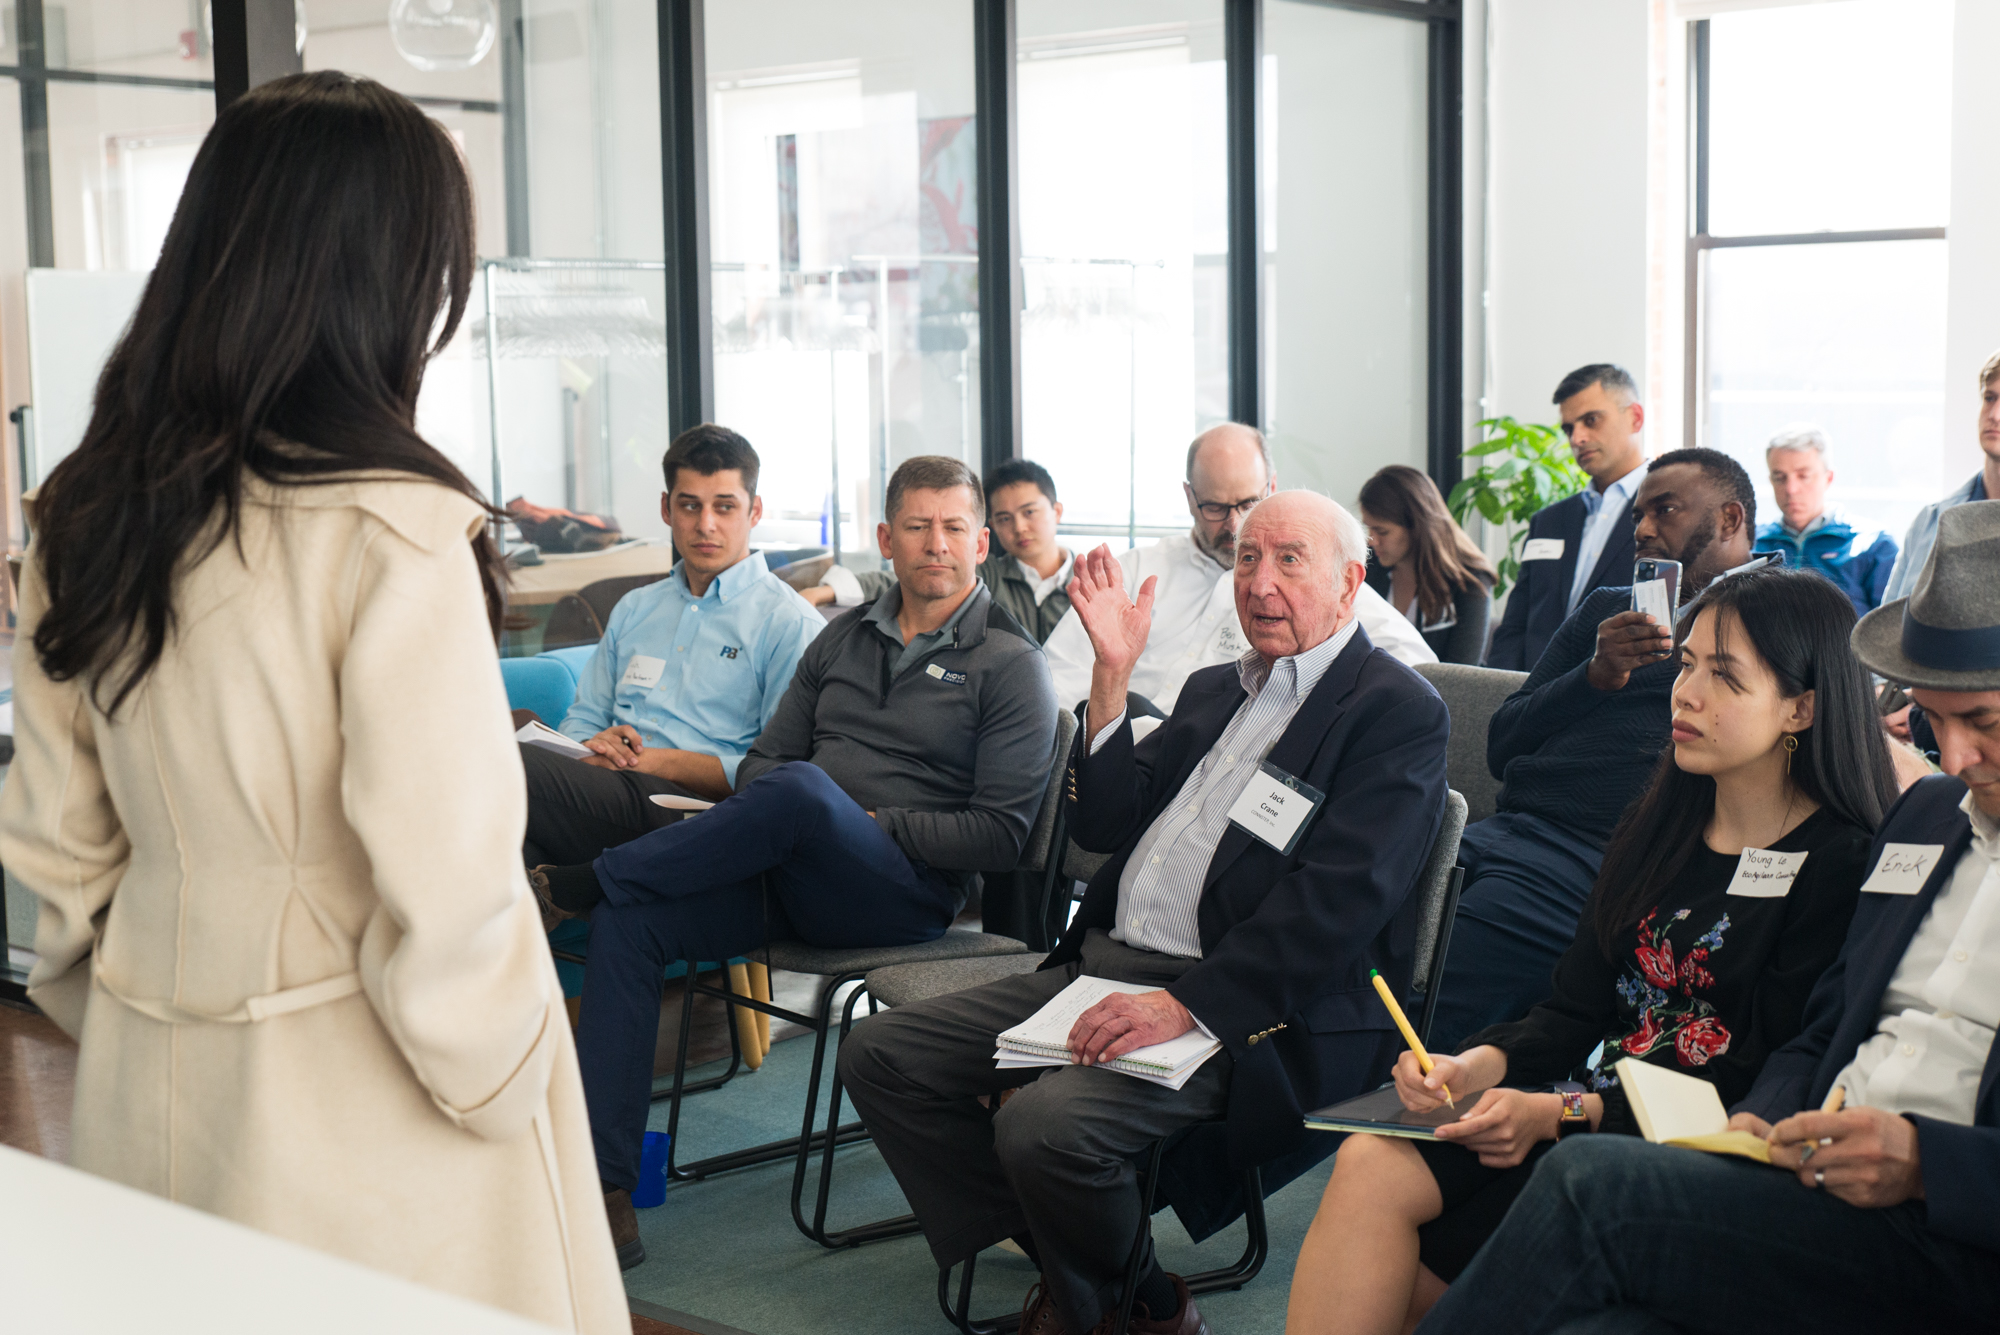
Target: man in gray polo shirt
[{"x": 909, "y": 753}]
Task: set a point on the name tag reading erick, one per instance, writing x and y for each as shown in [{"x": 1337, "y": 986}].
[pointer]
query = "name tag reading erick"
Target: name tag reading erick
[
  {"x": 1764, "y": 873},
  {"x": 643, "y": 671},
  {"x": 1275, "y": 806},
  {"x": 1902, "y": 869}
]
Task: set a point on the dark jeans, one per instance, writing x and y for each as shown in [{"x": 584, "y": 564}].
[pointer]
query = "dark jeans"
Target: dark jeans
[
  {"x": 576, "y": 811},
  {"x": 697, "y": 890},
  {"x": 1526, "y": 880},
  {"x": 1056, "y": 1161},
  {"x": 1616, "y": 1235}
]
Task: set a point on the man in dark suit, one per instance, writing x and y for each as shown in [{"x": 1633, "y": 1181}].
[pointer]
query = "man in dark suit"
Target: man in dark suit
[
  {"x": 1585, "y": 541},
  {"x": 1262, "y": 939},
  {"x": 1575, "y": 745},
  {"x": 1887, "y": 1219}
]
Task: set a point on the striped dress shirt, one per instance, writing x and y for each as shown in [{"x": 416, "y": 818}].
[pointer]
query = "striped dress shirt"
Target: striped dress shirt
[{"x": 1160, "y": 891}]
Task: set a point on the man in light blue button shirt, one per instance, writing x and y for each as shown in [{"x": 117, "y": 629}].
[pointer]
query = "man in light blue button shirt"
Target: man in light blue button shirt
[{"x": 689, "y": 671}]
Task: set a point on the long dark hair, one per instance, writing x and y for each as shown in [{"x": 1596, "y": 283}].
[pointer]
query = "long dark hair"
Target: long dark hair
[
  {"x": 324, "y": 233},
  {"x": 1445, "y": 560},
  {"x": 1798, "y": 624}
]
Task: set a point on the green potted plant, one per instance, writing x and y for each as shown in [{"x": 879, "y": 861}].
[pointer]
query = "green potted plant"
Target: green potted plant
[{"x": 1524, "y": 467}]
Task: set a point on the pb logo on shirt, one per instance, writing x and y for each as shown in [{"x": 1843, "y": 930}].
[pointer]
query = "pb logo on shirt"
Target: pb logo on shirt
[{"x": 730, "y": 651}]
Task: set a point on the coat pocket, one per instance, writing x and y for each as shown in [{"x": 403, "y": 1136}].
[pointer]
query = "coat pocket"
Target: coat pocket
[{"x": 1338, "y": 1012}]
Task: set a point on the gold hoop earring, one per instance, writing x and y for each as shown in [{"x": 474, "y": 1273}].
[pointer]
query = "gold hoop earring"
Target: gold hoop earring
[{"x": 1791, "y": 749}]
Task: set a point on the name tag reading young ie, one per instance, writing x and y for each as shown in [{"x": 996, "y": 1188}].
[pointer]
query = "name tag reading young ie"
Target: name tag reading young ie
[
  {"x": 1902, "y": 869},
  {"x": 1765, "y": 873},
  {"x": 1274, "y": 807}
]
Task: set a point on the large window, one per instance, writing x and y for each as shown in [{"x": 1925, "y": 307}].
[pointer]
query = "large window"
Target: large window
[
  {"x": 1816, "y": 270},
  {"x": 1124, "y": 246},
  {"x": 1345, "y": 259},
  {"x": 843, "y": 195}
]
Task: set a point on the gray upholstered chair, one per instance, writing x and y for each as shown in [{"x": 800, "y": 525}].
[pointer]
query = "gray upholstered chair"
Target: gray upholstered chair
[{"x": 1471, "y": 694}]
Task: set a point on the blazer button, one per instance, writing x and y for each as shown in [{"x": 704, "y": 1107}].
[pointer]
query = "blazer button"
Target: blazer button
[{"x": 1254, "y": 1038}]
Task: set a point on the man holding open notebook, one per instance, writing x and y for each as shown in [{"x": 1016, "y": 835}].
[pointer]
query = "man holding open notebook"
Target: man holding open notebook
[
  {"x": 1887, "y": 1217},
  {"x": 1267, "y": 842}
]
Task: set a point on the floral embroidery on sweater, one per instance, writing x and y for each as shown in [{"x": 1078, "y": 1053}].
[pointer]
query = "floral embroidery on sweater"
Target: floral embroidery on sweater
[{"x": 1664, "y": 992}]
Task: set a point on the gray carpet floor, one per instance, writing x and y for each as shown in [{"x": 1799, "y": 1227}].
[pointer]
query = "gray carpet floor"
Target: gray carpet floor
[{"x": 725, "y": 1250}]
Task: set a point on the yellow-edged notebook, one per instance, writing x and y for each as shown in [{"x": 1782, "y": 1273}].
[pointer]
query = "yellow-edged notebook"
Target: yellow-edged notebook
[{"x": 1676, "y": 1109}]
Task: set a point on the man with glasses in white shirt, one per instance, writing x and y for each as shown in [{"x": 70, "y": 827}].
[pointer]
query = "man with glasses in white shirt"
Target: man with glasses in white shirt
[{"x": 1194, "y": 609}]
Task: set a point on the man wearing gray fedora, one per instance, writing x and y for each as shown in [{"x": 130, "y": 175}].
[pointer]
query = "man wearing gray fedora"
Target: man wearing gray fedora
[{"x": 1888, "y": 1216}]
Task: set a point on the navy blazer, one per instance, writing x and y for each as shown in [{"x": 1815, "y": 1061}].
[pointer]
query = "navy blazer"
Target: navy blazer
[
  {"x": 1961, "y": 1164},
  {"x": 1539, "y": 601},
  {"x": 1287, "y": 940}
]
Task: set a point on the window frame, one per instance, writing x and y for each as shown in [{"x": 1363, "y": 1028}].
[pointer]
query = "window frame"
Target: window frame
[{"x": 1700, "y": 242}]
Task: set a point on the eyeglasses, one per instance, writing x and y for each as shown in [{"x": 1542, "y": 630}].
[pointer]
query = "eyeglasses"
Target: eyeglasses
[{"x": 1217, "y": 511}]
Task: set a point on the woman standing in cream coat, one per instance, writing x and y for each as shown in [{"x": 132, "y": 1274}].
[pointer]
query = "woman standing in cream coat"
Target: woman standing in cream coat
[{"x": 265, "y": 786}]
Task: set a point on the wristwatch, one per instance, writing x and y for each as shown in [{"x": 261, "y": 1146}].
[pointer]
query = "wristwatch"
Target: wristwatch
[{"x": 1574, "y": 1118}]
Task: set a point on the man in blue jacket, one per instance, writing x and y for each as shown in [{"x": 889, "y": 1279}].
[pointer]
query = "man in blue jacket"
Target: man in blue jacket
[
  {"x": 1888, "y": 1217},
  {"x": 1585, "y": 541},
  {"x": 1812, "y": 535}
]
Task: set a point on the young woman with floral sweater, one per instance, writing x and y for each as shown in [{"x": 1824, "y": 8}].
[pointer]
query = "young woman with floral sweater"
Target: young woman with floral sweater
[{"x": 1775, "y": 748}]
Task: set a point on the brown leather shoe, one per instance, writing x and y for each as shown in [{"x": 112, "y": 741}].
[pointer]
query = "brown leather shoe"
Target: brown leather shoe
[
  {"x": 1187, "y": 1321},
  {"x": 538, "y": 879},
  {"x": 1038, "y": 1314},
  {"x": 625, "y": 1229}
]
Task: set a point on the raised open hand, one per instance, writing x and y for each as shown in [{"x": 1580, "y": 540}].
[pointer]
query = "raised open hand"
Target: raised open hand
[{"x": 1117, "y": 626}]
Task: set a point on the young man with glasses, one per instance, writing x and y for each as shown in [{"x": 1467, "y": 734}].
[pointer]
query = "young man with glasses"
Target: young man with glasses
[{"x": 1194, "y": 609}]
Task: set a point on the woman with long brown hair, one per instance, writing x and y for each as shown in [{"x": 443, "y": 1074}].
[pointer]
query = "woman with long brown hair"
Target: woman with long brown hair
[
  {"x": 1425, "y": 565},
  {"x": 265, "y": 788}
]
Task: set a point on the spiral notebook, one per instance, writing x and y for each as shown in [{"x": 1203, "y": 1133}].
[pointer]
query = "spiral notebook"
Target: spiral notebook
[{"x": 1043, "y": 1038}]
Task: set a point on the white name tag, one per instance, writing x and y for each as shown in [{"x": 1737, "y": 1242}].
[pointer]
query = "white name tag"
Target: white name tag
[
  {"x": 643, "y": 671},
  {"x": 1765, "y": 873},
  {"x": 1274, "y": 807},
  {"x": 1902, "y": 869},
  {"x": 1543, "y": 549},
  {"x": 1229, "y": 641}
]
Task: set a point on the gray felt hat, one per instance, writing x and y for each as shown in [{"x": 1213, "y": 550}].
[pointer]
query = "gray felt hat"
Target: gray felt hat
[{"x": 1946, "y": 635}]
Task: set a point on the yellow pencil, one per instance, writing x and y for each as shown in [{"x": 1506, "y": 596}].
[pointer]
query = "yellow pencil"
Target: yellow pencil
[
  {"x": 1409, "y": 1034},
  {"x": 1834, "y": 1098}
]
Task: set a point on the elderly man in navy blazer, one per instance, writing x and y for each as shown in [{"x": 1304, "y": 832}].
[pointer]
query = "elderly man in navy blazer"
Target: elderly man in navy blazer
[
  {"x": 1261, "y": 938},
  {"x": 1583, "y": 542},
  {"x": 1889, "y": 1216}
]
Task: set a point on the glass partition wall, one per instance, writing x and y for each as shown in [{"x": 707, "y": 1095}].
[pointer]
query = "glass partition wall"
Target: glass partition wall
[
  {"x": 1344, "y": 245},
  {"x": 1124, "y": 245},
  {"x": 844, "y": 243},
  {"x": 1192, "y": 210},
  {"x": 850, "y": 200}
]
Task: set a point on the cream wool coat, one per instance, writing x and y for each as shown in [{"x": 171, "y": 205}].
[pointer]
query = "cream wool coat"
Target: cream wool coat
[{"x": 283, "y": 912}]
